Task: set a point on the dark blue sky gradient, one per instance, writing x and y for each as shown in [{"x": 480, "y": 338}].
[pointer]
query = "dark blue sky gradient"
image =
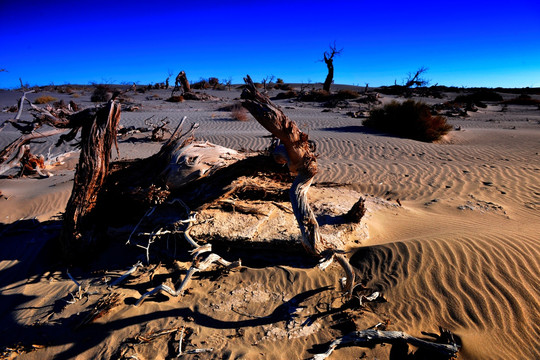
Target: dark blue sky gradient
[{"x": 463, "y": 43}]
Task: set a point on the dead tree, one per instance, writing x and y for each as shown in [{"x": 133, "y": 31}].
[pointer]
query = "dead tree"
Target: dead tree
[
  {"x": 267, "y": 81},
  {"x": 181, "y": 82},
  {"x": 61, "y": 119},
  {"x": 97, "y": 138},
  {"x": 296, "y": 151},
  {"x": 328, "y": 58},
  {"x": 415, "y": 79}
]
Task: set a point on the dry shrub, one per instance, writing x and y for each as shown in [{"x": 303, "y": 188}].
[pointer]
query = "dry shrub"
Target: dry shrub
[
  {"x": 213, "y": 82},
  {"x": 175, "y": 99},
  {"x": 411, "y": 119},
  {"x": 201, "y": 84},
  {"x": 318, "y": 95},
  {"x": 286, "y": 95},
  {"x": 346, "y": 94},
  {"x": 477, "y": 97},
  {"x": 102, "y": 93},
  {"x": 45, "y": 99},
  {"x": 238, "y": 112},
  {"x": 522, "y": 99},
  {"x": 284, "y": 87}
]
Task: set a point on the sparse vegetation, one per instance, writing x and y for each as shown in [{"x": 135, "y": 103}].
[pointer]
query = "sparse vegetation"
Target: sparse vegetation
[
  {"x": 522, "y": 99},
  {"x": 45, "y": 99},
  {"x": 201, "y": 84},
  {"x": 238, "y": 112},
  {"x": 478, "y": 97},
  {"x": 102, "y": 93},
  {"x": 315, "y": 95},
  {"x": 346, "y": 94},
  {"x": 286, "y": 95},
  {"x": 411, "y": 119}
]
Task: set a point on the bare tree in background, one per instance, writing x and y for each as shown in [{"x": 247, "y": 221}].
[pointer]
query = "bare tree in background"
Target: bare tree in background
[
  {"x": 415, "y": 79},
  {"x": 227, "y": 83},
  {"x": 328, "y": 58},
  {"x": 267, "y": 80}
]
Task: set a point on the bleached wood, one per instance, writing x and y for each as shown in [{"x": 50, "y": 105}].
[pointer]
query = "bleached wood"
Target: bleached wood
[{"x": 373, "y": 336}]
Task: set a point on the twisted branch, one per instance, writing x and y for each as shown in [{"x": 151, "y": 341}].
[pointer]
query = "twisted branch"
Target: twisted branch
[{"x": 303, "y": 163}]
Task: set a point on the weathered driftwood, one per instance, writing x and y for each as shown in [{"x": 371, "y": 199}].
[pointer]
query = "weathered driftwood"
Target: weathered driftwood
[
  {"x": 62, "y": 120},
  {"x": 445, "y": 346},
  {"x": 125, "y": 275},
  {"x": 303, "y": 163},
  {"x": 97, "y": 139},
  {"x": 13, "y": 152},
  {"x": 198, "y": 265}
]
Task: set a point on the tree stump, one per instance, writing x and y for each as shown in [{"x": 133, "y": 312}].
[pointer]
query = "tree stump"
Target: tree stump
[{"x": 97, "y": 139}]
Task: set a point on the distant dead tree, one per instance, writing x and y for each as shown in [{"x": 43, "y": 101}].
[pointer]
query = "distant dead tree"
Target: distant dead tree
[
  {"x": 169, "y": 74},
  {"x": 328, "y": 58},
  {"x": 227, "y": 83},
  {"x": 267, "y": 80},
  {"x": 181, "y": 82},
  {"x": 414, "y": 79}
]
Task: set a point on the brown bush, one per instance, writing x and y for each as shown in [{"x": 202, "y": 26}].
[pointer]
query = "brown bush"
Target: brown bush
[
  {"x": 239, "y": 112},
  {"x": 175, "y": 99},
  {"x": 102, "y": 93},
  {"x": 285, "y": 87},
  {"x": 201, "y": 84},
  {"x": 411, "y": 119},
  {"x": 346, "y": 94},
  {"x": 45, "y": 99},
  {"x": 318, "y": 95},
  {"x": 286, "y": 95}
]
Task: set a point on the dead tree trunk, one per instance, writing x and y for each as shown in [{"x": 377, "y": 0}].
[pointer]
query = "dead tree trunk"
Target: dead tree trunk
[
  {"x": 97, "y": 139},
  {"x": 330, "y": 77},
  {"x": 303, "y": 163},
  {"x": 181, "y": 82},
  {"x": 328, "y": 58}
]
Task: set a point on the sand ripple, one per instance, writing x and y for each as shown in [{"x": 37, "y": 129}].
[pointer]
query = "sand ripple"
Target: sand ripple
[{"x": 485, "y": 285}]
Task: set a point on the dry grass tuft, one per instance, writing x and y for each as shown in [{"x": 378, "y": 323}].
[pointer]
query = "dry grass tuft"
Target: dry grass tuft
[
  {"x": 238, "y": 112},
  {"x": 411, "y": 119},
  {"x": 45, "y": 99}
]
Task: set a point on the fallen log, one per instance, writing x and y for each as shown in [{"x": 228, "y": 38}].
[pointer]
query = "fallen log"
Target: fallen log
[{"x": 445, "y": 345}]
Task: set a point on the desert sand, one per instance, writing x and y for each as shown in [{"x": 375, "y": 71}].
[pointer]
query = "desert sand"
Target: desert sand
[{"x": 453, "y": 241}]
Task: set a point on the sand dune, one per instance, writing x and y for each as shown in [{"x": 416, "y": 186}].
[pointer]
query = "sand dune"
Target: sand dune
[{"x": 462, "y": 250}]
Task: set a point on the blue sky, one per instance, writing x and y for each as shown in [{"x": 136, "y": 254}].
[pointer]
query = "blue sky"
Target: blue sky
[{"x": 463, "y": 43}]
